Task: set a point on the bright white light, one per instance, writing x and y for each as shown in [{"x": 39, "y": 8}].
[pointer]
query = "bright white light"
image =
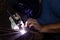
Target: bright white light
[
  {"x": 16, "y": 27},
  {"x": 23, "y": 31}
]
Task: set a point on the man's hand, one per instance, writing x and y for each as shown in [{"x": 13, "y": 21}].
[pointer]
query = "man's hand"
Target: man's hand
[
  {"x": 33, "y": 23},
  {"x": 50, "y": 28}
]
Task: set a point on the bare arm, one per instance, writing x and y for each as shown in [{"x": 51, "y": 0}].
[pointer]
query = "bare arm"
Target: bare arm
[{"x": 51, "y": 28}]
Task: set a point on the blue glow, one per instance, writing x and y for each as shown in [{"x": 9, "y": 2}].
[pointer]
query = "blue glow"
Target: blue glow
[{"x": 24, "y": 9}]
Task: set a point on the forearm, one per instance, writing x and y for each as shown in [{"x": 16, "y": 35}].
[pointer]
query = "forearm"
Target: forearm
[{"x": 51, "y": 28}]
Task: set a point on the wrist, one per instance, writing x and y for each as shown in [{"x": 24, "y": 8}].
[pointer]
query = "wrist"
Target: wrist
[
  {"x": 40, "y": 28},
  {"x": 45, "y": 29}
]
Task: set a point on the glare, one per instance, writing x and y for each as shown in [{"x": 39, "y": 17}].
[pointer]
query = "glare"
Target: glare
[
  {"x": 16, "y": 28},
  {"x": 23, "y": 31}
]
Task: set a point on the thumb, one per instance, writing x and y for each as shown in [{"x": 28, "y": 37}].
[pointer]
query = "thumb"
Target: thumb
[{"x": 26, "y": 24}]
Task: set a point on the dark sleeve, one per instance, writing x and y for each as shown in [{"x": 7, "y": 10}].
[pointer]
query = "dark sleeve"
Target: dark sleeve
[{"x": 55, "y": 7}]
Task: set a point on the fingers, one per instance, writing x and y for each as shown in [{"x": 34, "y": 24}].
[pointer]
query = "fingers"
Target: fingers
[
  {"x": 31, "y": 22},
  {"x": 26, "y": 24}
]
